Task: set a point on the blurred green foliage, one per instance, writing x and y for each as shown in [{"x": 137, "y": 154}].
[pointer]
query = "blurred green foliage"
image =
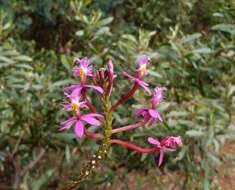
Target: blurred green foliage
[{"x": 192, "y": 45}]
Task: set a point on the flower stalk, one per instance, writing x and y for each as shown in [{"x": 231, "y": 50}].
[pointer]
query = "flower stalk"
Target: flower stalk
[
  {"x": 125, "y": 97},
  {"x": 129, "y": 127},
  {"x": 103, "y": 149},
  {"x": 103, "y": 84}
]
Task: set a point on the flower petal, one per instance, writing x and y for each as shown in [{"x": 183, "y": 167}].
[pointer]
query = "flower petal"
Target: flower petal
[
  {"x": 157, "y": 95},
  {"x": 76, "y": 71},
  {"x": 154, "y": 141},
  {"x": 72, "y": 87},
  {"x": 79, "y": 129},
  {"x": 85, "y": 62},
  {"x": 95, "y": 115},
  {"x": 67, "y": 106},
  {"x": 153, "y": 113},
  {"x": 152, "y": 120},
  {"x": 140, "y": 111},
  {"x": 90, "y": 118},
  {"x": 128, "y": 75},
  {"x": 76, "y": 93},
  {"x": 83, "y": 104},
  {"x": 143, "y": 59},
  {"x": 97, "y": 88},
  {"x": 68, "y": 123},
  {"x": 161, "y": 157},
  {"x": 143, "y": 85}
]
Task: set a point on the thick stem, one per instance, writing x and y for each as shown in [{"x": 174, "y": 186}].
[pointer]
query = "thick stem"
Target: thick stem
[
  {"x": 102, "y": 151},
  {"x": 134, "y": 147},
  {"x": 123, "y": 143},
  {"x": 125, "y": 97}
]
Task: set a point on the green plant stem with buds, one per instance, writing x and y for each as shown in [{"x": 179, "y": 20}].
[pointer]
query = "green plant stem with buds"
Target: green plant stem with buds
[{"x": 103, "y": 149}]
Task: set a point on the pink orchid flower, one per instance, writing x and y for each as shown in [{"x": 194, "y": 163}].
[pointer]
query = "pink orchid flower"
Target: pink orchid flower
[
  {"x": 74, "y": 102},
  {"x": 138, "y": 81},
  {"x": 80, "y": 120},
  {"x": 143, "y": 61},
  {"x": 172, "y": 142},
  {"x": 151, "y": 115},
  {"x": 157, "y": 96},
  {"x": 84, "y": 69},
  {"x": 169, "y": 143}
]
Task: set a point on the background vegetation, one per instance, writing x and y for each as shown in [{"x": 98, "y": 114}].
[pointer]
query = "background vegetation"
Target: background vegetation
[{"x": 192, "y": 44}]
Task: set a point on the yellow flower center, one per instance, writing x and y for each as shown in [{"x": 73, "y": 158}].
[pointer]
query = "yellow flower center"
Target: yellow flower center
[
  {"x": 75, "y": 105},
  {"x": 82, "y": 71},
  {"x": 142, "y": 69}
]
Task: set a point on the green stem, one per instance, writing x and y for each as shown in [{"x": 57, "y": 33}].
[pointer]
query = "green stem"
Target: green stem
[{"x": 102, "y": 151}]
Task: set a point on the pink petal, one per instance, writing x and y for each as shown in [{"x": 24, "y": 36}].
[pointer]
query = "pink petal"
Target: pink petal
[
  {"x": 76, "y": 92},
  {"x": 178, "y": 141},
  {"x": 154, "y": 141},
  {"x": 128, "y": 76},
  {"x": 152, "y": 121},
  {"x": 90, "y": 118},
  {"x": 68, "y": 123},
  {"x": 140, "y": 111},
  {"x": 83, "y": 104},
  {"x": 155, "y": 114},
  {"x": 110, "y": 68},
  {"x": 161, "y": 157},
  {"x": 89, "y": 73},
  {"x": 67, "y": 106},
  {"x": 84, "y": 62},
  {"x": 76, "y": 71},
  {"x": 157, "y": 95},
  {"x": 143, "y": 59},
  {"x": 92, "y": 121},
  {"x": 97, "y": 88},
  {"x": 143, "y": 85},
  {"x": 160, "y": 118},
  {"x": 79, "y": 129},
  {"x": 72, "y": 87}
]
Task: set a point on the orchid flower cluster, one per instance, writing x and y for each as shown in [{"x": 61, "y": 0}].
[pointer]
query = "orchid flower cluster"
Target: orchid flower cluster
[{"x": 85, "y": 114}]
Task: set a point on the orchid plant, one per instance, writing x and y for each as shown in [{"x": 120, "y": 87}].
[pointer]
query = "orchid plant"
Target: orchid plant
[{"x": 102, "y": 81}]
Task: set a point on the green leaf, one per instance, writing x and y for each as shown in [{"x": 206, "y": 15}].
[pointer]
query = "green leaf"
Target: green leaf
[
  {"x": 23, "y": 58},
  {"x": 36, "y": 185},
  {"x": 106, "y": 21},
  {"x": 4, "y": 59},
  {"x": 229, "y": 28},
  {"x": 64, "y": 136},
  {"x": 66, "y": 62},
  {"x": 101, "y": 31},
  {"x": 195, "y": 133},
  {"x": 59, "y": 84},
  {"x": 67, "y": 154},
  {"x": 177, "y": 114},
  {"x": 204, "y": 50},
  {"x": 155, "y": 74},
  {"x": 190, "y": 38},
  {"x": 80, "y": 33},
  {"x": 24, "y": 66}
]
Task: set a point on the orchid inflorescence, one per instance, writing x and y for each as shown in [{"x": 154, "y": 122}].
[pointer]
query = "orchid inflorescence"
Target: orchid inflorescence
[{"x": 101, "y": 81}]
